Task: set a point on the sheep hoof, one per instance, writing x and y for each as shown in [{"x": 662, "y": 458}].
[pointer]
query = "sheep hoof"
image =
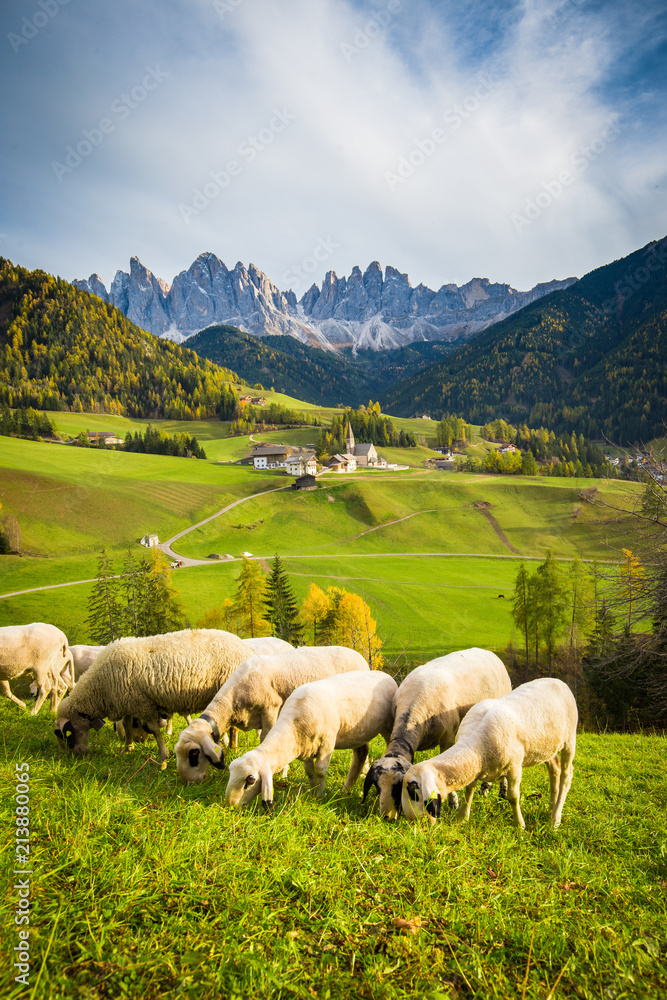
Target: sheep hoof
[
  {"x": 128, "y": 747},
  {"x": 485, "y": 788}
]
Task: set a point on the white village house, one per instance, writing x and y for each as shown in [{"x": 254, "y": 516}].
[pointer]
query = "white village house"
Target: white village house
[{"x": 295, "y": 461}]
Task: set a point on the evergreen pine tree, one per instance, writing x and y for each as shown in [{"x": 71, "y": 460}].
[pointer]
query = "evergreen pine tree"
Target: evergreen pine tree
[
  {"x": 105, "y": 615},
  {"x": 281, "y": 607},
  {"x": 521, "y": 608},
  {"x": 250, "y": 600}
]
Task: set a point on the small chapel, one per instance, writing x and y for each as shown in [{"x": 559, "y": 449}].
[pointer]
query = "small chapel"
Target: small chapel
[{"x": 365, "y": 454}]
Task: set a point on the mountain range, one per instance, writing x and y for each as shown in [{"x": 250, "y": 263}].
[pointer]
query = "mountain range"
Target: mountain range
[
  {"x": 366, "y": 311},
  {"x": 591, "y": 358}
]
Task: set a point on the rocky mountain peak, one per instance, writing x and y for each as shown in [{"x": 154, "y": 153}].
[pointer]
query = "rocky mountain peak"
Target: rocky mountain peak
[{"x": 366, "y": 309}]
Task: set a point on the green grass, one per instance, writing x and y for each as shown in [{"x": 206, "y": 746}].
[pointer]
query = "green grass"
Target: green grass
[
  {"x": 356, "y": 531},
  {"x": 143, "y": 887}
]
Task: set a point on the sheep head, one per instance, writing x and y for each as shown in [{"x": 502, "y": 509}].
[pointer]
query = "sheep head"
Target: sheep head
[
  {"x": 248, "y": 776},
  {"x": 72, "y": 728},
  {"x": 386, "y": 776},
  {"x": 420, "y": 794},
  {"x": 196, "y": 749}
]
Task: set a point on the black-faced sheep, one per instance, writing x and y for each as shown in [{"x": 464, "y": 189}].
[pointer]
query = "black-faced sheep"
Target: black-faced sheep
[
  {"x": 149, "y": 678},
  {"x": 498, "y": 738},
  {"x": 342, "y": 712},
  {"x": 252, "y": 699},
  {"x": 429, "y": 706}
]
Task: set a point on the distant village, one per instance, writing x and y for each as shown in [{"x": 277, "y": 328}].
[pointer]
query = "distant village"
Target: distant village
[{"x": 302, "y": 462}]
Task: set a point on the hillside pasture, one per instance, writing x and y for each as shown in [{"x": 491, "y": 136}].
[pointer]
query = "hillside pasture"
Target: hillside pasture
[{"x": 141, "y": 886}]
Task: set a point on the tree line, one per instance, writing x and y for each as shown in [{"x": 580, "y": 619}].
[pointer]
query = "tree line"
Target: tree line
[
  {"x": 603, "y": 631},
  {"x": 26, "y": 422},
  {"x": 369, "y": 426},
  {"x": 157, "y": 442},
  {"x": 264, "y": 604},
  {"x": 246, "y": 417},
  {"x": 138, "y": 598}
]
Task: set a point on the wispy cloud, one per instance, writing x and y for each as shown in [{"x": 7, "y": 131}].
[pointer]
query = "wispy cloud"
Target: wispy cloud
[{"x": 562, "y": 73}]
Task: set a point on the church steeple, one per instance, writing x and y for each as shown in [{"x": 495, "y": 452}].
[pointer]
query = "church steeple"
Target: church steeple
[{"x": 349, "y": 440}]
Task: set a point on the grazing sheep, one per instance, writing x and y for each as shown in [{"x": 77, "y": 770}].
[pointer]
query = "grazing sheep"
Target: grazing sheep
[
  {"x": 149, "y": 679},
  {"x": 83, "y": 657},
  {"x": 428, "y": 709},
  {"x": 252, "y": 698},
  {"x": 499, "y": 737},
  {"x": 342, "y": 712},
  {"x": 266, "y": 645},
  {"x": 39, "y": 649}
]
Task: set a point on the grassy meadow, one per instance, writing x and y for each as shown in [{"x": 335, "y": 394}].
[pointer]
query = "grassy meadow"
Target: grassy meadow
[
  {"x": 427, "y": 557},
  {"x": 144, "y": 887}
]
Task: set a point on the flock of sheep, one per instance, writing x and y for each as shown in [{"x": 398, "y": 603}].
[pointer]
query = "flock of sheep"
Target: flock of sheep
[{"x": 306, "y": 703}]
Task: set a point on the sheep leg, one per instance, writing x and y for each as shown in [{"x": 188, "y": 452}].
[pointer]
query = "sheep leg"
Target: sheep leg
[
  {"x": 553, "y": 766},
  {"x": 233, "y": 738},
  {"x": 161, "y": 745},
  {"x": 321, "y": 766},
  {"x": 309, "y": 768},
  {"x": 128, "y": 728},
  {"x": 7, "y": 691},
  {"x": 513, "y": 795},
  {"x": 566, "y": 774},
  {"x": 359, "y": 755},
  {"x": 42, "y": 692},
  {"x": 463, "y": 814},
  {"x": 170, "y": 725}
]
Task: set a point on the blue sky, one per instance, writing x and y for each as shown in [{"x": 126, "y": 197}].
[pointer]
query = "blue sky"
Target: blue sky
[{"x": 516, "y": 141}]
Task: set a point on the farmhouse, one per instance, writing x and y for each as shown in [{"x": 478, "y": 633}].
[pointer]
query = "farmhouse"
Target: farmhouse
[
  {"x": 301, "y": 462},
  {"x": 271, "y": 456},
  {"x": 103, "y": 437},
  {"x": 341, "y": 463},
  {"x": 296, "y": 461},
  {"x": 149, "y": 541}
]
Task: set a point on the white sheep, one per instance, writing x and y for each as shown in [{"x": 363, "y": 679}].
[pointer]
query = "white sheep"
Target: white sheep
[
  {"x": 83, "y": 657},
  {"x": 41, "y": 650},
  {"x": 266, "y": 645},
  {"x": 498, "y": 738},
  {"x": 252, "y": 699},
  {"x": 428, "y": 709},
  {"x": 149, "y": 679},
  {"x": 342, "y": 712}
]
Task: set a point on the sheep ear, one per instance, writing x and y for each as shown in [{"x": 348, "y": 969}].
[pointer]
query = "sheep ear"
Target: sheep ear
[
  {"x": 368, "y": 784},
  {"x": 213, "y": 753},
  {"x": 266, "y": 774},
  {"x": 97, "y": 724}
]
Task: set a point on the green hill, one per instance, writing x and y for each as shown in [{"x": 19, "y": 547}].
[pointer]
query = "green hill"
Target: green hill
[
  {"x": 590, "y": 359},
  {"x": 310, "y": 373},
  {"x": 61, "y": 348}
]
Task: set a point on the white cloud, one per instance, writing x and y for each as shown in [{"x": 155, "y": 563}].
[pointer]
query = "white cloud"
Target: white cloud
[{"x": 356, "y": 115}]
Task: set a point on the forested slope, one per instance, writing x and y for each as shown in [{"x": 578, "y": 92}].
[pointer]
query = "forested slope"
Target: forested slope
[
  {"x": 61, "y": 348},
  {"x": 590, "y": 359}
]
